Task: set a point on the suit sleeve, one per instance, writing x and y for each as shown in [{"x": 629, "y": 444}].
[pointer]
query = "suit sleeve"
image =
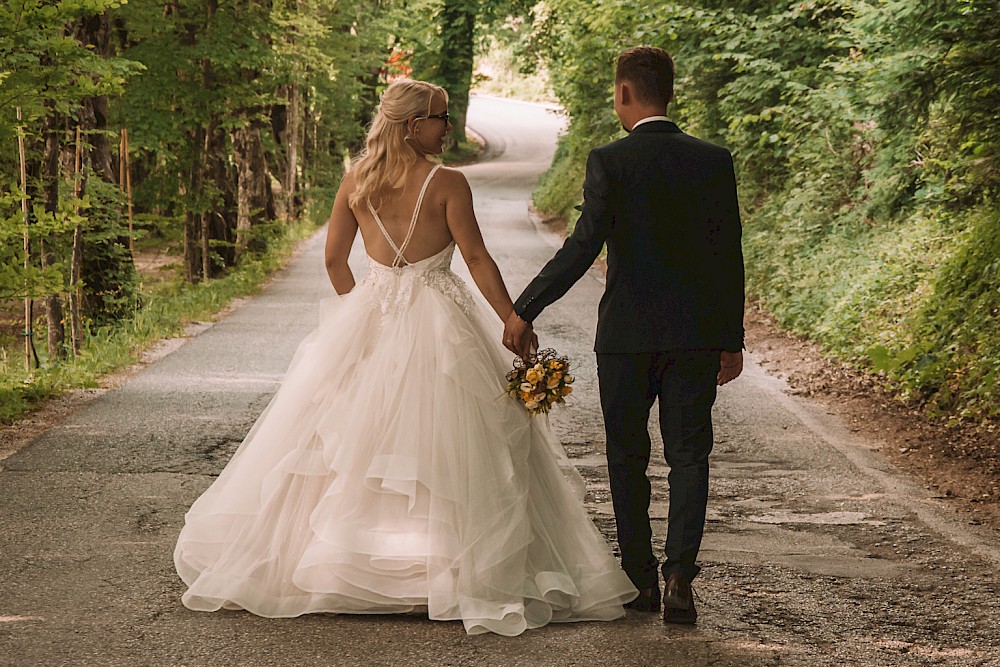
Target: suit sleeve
[
  {"x": 732, "y": 279},
  {"x": 579, "y": 250}
]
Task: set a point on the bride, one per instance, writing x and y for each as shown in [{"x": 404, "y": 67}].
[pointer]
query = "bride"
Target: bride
[{"x": 391, "y": 473}]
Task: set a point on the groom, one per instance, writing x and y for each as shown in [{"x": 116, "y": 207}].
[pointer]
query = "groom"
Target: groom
[{"x": 670, "y": 323}]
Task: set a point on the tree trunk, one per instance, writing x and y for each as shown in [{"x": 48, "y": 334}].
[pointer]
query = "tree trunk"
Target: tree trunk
[
  {"x": 23, "y": 181},
  {"x": 192, "y": 216},
  {"x": 292, "y": 135},
  {"x": 76, "y": 259},
  {"x": 206, "y": 245},
  {"x": 75, "y": 293},
  {"x": 458, "y": 29},
  {"x": 102, "y": 269},
  {"x": 50, "y": 188},
  {"x": 95, "y": 32},
  {"x": 219, "y": 199},
  {"x": 255, "y": 204},
  {"x": 222, "y": 225},
  {"x": 192, "y": 232},
  {"x": 368, "y": 95}
]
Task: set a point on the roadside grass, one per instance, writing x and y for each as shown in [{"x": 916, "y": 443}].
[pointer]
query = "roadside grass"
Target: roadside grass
[
  {"x": 459, "y": 153},
  {"x": 168, "y": 305}
]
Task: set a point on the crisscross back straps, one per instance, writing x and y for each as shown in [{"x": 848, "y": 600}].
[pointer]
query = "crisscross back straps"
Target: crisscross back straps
[{"x": 400, "y": 249}]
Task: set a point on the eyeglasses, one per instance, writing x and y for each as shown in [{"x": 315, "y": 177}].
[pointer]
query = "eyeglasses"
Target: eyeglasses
[{"x": 441, "y": 116}]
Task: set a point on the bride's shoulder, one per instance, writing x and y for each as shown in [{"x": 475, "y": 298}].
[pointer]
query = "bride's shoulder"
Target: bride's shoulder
[
  {"x": 450, "y": 178},
  {"x": 449, "y": 173},
  {"x": 349, "y": 181},
  {"x": 450, "y": 188}
]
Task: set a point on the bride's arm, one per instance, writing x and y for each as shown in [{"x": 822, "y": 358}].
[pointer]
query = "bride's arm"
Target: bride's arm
[
  {"x": 465, "y": 230},
  {"x": 340, "y": 233}
]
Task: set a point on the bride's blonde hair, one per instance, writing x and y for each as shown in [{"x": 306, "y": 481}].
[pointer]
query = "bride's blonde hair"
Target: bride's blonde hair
[{"x": 387, "y": 151}]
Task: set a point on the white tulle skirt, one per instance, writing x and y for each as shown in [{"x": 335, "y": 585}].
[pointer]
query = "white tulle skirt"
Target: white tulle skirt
[{"x": 391, "y": 474}]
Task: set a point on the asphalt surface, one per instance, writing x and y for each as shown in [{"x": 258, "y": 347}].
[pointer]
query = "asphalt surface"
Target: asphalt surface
[{"x": 818, "y": 551}]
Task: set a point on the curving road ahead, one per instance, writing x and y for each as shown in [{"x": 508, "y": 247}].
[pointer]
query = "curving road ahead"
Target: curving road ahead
[{"x": 818, "y": 551}]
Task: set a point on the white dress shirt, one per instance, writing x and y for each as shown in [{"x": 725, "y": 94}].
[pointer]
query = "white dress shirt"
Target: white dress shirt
[{"x": 649, "y": 119}]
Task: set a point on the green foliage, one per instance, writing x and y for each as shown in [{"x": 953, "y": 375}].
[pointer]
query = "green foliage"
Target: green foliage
[
  {"x": 41, "y": 64},
  {"x": 953, "y": 362},
  {"x": 45, "y": 72},
  {"x": 559, "y": 189},
  {"x": 444, "y": 37},
  {"x": 503, "y": 69},
  {"x": 443, "y": 50},
  {"x": 865, "y": 134},
  {"x": 18, "y": 281},
  {"x": 236, "y": 111},
  {"x": 110, "y": 283}
]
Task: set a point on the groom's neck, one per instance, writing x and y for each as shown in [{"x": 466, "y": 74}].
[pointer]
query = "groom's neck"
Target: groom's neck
[{"x": 634, "y": 113}]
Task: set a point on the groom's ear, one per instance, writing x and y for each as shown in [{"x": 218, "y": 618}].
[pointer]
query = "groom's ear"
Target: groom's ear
[{"x": 625, "y": 94}]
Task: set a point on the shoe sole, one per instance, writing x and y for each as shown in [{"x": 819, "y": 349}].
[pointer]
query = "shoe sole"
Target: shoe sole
[
  {"x": 643, "y": 606},
  {"x": 680, "y": 620},
  {"x": 677, "y": 610}
]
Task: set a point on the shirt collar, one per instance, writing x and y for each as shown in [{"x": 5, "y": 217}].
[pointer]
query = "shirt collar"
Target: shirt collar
[{"x": 649, "y": 119}]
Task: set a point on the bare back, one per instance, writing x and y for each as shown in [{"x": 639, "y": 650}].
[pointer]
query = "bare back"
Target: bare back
[
  {"x": 430, "y": 234},
  {"x": 446, "y": 215}
]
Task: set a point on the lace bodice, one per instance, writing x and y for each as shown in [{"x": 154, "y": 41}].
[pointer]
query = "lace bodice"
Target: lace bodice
[{"x": 395, "y": 286}]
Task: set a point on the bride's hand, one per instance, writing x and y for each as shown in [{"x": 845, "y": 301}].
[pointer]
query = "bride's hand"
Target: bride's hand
[{"x": 518, "y": 336}]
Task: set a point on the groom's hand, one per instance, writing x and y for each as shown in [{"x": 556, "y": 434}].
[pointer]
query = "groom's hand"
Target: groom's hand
[
  {"x": 730, "y": 367},
  {"x": 518, "y": 336}
]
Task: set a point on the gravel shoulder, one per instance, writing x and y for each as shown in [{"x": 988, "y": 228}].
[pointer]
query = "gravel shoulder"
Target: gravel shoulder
[{"x": 960, "y": 462}]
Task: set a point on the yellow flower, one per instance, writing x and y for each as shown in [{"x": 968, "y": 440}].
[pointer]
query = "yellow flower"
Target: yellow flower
[{"x": 540, "y": 382}]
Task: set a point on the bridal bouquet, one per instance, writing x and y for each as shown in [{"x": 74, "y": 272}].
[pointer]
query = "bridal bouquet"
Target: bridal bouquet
[{"x": 540, "y": 380}]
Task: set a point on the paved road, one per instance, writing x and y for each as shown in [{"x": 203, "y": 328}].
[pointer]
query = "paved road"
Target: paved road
[{"x": 818, "y": 552}]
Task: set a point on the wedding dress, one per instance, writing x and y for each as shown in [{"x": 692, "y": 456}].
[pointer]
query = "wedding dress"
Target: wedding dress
[{"x": 390, "y": 474}]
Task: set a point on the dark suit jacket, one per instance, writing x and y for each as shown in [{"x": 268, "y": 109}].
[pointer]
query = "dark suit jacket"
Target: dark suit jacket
[{"x": 665, "y": 204}]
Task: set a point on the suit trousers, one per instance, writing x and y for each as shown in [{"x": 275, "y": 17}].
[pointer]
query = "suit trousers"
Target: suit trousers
[{"x": 684, "y": 382}]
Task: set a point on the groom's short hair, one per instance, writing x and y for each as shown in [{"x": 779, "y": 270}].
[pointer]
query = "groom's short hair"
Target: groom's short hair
[{"x": 650, "y": 70}]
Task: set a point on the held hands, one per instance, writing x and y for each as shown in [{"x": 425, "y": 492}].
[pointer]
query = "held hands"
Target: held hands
[
  {"x": 518, "y": 336},
  {"x": 730, "y": 367}
]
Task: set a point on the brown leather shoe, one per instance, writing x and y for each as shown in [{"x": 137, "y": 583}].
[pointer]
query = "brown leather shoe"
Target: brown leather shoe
[
  {"x": 648, "y": 600},
  {"x": 678, "y": 601}
]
